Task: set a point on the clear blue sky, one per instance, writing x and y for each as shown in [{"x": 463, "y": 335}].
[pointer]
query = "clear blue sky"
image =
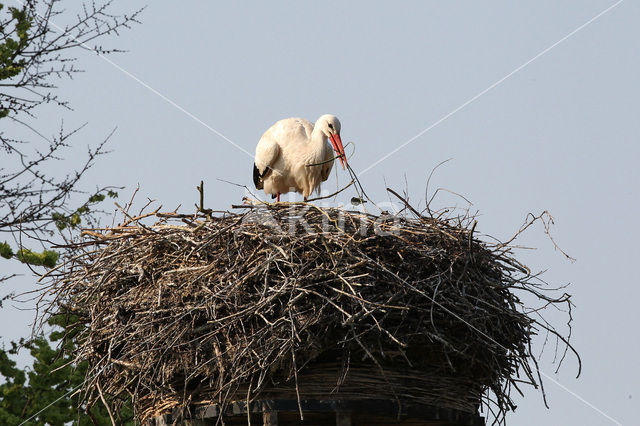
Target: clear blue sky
[{"x": 559, "y": 134}]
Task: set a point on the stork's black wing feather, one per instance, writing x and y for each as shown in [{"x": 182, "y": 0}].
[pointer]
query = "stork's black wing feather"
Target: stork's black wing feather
[{"x": 257, "y": 178}]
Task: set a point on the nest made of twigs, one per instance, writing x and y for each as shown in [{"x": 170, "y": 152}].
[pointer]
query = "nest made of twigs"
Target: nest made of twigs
[{"x": 240, "y": 305}]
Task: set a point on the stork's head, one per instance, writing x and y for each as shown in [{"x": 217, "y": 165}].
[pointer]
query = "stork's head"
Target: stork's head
[{"x": 330, "y": 127}]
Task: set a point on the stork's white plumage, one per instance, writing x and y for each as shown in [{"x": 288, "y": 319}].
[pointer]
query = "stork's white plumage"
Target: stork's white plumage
[{"x": 295, "y": 155}]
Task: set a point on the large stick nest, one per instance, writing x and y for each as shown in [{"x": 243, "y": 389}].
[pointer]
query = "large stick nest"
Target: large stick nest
[{"x": 299, "y": 302}]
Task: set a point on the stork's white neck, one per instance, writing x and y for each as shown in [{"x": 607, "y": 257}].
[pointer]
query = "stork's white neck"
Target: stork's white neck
[{"x": 318, "y": 138}]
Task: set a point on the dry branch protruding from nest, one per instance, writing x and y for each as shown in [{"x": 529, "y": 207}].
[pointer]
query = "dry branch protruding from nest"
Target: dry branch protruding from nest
[{"x": 350, "y": 304}]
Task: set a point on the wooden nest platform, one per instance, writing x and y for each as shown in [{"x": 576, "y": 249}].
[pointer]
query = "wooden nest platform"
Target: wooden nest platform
[{"x": 292, "y": 302}]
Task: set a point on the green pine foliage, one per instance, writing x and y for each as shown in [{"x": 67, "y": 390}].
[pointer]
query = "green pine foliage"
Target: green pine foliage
[
  {"x": 5, "y": 250},
  {"x": 47, "y": 258},
  {"x": 10, "y": 65},
  {"x": 50, "y": 382}
]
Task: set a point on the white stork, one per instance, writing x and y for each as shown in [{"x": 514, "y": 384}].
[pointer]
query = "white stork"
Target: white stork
[{"x": 295, "y": 155}]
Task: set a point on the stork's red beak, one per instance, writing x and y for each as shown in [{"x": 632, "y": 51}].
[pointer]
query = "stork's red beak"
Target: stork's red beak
[{"x": 337, "y": 146}]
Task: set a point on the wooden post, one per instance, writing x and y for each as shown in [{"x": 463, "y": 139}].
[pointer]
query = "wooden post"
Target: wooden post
[{"x": 270, "y": 418}]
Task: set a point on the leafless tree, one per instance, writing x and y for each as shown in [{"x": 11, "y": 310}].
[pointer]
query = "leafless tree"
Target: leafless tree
[{"x": 35, "y": 54}]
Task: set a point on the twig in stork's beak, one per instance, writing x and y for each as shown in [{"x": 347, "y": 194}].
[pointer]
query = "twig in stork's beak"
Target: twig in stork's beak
[{"x": 337, "y": 146}]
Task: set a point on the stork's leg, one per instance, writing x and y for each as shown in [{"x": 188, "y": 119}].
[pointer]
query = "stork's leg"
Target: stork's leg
[{"x": 278, "y": 199}]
